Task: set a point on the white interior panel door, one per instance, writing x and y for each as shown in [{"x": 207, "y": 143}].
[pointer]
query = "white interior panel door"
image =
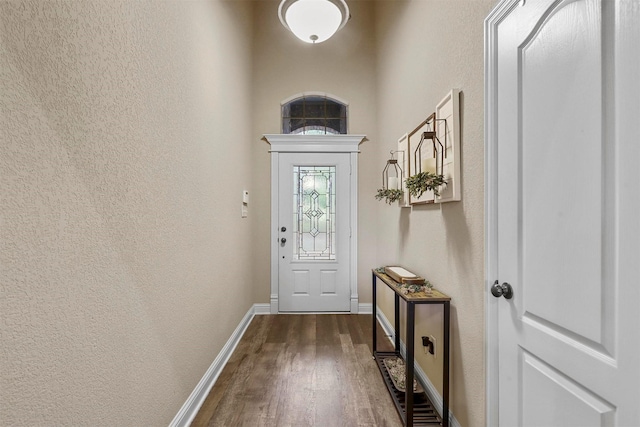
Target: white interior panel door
[
  {"x": 314, "y": 220},
  {"x": 565, "y": 196}
]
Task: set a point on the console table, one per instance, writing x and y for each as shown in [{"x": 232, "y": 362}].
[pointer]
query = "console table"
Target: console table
[{"x": 415, "y": 410}]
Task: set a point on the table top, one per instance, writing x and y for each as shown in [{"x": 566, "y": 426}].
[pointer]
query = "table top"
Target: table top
[{"x": 418, "y": 297}]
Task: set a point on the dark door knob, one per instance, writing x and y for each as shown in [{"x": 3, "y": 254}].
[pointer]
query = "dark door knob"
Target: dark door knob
[
  {"x": 283, "y": 240},
  {"x": 283, "y": 229},
  {"x": 504, "y": 290}
]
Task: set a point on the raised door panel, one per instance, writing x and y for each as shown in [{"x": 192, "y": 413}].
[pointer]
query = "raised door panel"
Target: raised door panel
[
  {"x": 551, "y": 398},
  {"x": 564, "y": 218}
]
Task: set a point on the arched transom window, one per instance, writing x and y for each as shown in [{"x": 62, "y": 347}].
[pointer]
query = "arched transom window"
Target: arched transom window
[{"x": 314, "y": 115}]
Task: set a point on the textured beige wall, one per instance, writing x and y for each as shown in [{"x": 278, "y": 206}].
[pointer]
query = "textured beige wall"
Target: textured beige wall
[
  {"x": 427, "y": 47},
  {"x": 343, "y": 66},
  {"x": 128, "y": 131},
  {"x": 124, "y": 262}
]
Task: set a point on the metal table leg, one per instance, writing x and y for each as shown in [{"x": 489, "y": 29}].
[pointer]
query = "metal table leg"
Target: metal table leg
[
  {"x": 374, "y": 311},
  {"x": 445, "y": 365},
  {"x": 408, "y": 385},
  {"x": 396, "y": 324}
]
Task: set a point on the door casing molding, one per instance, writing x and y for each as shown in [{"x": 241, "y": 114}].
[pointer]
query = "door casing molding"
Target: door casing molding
[
  {"x": 491, "y": 24},
  {"x": 291, "y": 143}
]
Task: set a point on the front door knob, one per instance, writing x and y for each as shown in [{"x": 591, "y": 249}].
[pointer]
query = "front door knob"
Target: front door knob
[
  {"x": 283, "y": 240},
  {"x": 504, "y": 290},
  {"x": 283, "y": 229}
]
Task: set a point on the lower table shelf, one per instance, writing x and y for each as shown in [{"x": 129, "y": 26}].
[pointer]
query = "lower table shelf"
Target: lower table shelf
[{"x": 424, "y": 414}]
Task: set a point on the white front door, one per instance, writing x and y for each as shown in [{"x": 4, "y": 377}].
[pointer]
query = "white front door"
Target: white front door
[
  {"x": 314, "y": 208},
  {"x": 314, "y": 212},
  {"x": 563, "y": 199}
]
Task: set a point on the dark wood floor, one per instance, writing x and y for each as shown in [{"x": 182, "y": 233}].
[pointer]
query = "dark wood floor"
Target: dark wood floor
[{"x": 302, "y": 370}]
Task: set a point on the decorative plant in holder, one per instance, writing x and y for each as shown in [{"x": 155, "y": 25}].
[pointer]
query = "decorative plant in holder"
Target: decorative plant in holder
[
  {"x": 389, "y": 195},
  {"x": 424, "y": 181}
]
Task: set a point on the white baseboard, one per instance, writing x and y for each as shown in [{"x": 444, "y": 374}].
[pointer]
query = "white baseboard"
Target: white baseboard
[
  {"x": 354, "y": 306},
  {"x": 365, "y": 308},
  {"x": 260, "y": 309},
  {"x": 190, "y": 409},
  {"x": 431, "y": 390}
]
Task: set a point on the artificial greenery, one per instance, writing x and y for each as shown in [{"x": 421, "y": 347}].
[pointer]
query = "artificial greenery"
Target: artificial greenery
[
  {"x": 428, "y": 287},
  {"x": 389, "y": 195},
  {"x": 411, "y": 288},
  {"x": 423, "y": 181}
]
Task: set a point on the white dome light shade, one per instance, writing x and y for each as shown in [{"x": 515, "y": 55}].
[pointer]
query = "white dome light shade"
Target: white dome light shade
[{"x": 313, "y": 21}]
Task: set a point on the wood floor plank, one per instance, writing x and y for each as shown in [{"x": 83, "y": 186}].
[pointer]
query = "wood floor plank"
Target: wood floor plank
[
  {"x": 327, "y": 330},
  {"x": 356, "y": 333},
  {"x": 343, "y": 324},
  {"x": 278, "y": 330},
  {"x": 354, "y": 387},
  {"x": 302, "y": 370}
]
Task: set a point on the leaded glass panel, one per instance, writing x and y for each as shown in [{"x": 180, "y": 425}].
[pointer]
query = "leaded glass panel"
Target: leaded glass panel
[{"x": 314, "y": 216}]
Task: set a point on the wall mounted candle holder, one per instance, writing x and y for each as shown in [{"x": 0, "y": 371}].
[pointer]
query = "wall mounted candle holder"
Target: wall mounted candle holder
[
  {"x": 392, "y": 179},
  {"x": 433, "y": 149},
  {"x": 428, "y": 158},
  {"x": 392, "y": 174},
  {"x": 435, "y": 154}
]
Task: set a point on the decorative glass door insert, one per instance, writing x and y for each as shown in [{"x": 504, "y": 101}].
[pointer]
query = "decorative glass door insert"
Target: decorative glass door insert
[{"x": 314, "y": 216}]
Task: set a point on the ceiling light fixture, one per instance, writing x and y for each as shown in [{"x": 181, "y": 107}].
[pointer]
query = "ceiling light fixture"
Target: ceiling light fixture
[{"x": 313, "y": 21}]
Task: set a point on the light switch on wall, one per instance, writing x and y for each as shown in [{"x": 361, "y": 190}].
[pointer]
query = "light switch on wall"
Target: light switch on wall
[{"x": 245, "y": 203}]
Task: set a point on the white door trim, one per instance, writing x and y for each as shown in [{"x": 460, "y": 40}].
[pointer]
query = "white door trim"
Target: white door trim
[
  {"x": 491, "y": 23},
  {"x": 289, "y": 143}
]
